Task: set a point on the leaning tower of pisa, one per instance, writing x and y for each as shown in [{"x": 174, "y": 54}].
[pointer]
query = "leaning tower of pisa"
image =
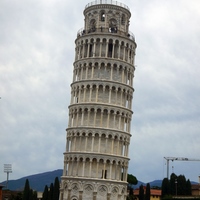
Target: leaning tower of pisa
[{"x": 98, "y": 134}]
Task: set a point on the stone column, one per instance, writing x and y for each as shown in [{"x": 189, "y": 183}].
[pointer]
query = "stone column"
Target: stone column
[
  {"x": 127, "y": 149},
  {"x": 116, "y": 90},
  {"x": 120, "y": 115},
  {"x": 108, "y": 118},
  {"x": 97, "y": 90},
  {"x": 74, "y": 142},
  {"x": 70, "y": 120},
  {"x": 80, "y": 195},
  {"x": 83, "y": 170},
  {"x": 77, "y": 116},
  {"x": 106, "y": 49},
  {"x": 90, "y": 170},
  {"x": 117, "y": 146},
  {"x": 86, "y": 140},
  {"x": 90, "y": 97},
  {"x": 129, "y": 58},
  {"x": 119, "y": 51},
  {"x": 100, "y": 50},
  {"x": 92, "y": 146},
  {"x": 114, "y": 121},
  {"x": 113, "y": 50},
  {"x": 83, "y": 49},
  {"x": 106, "y": 149},
  {"x": 88, "y": 50},
  {"x": 124, "y": 56},
  {"x": 97, "y": 170},
  {"x": 86, "y": 73},
  {"x": 84, "y": 92},
  {"x": 69, "y": 193},
  {"x": 104, "y": 168},
  {"x": 99, "y": 144},
  {"x": 101, "y": 122},
  {"x": 81, "y": 76},
  {"x": 77, "y": 166},
  {"x": 82, "y": 117},
  {"x": 88, "y": 120},
  {"x": 95, "y": 115},
  {"x": 124, "y": 124},
  {"x": 110, "y": 177},
  {"x": 94, "y": 195},
  {"x": 92, "y": 75},
  {"x": 112, "y": 147},
  {"x": 110, "y": 92},
  {"x": 65, "y": 168},
  {"x": 72, "y": 97},
  {"x": 94, "y": 52},
  {"x": 121, "y": 97},
  {"x": 111, "y": 73},
  {"x": 108, "y": 196},
  {"x": 123, "y": 68}
]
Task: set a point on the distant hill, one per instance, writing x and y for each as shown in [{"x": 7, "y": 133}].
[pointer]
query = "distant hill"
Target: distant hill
[
  {"x": 37, "y": 182},
  {"x": 155, "y": 183}
]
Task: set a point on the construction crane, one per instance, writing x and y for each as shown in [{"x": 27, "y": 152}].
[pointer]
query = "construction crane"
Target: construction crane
[{"x": 177, "y": 159}]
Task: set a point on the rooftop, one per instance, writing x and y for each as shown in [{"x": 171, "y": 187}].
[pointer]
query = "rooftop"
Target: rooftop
[{"x": 107, "y": 2}]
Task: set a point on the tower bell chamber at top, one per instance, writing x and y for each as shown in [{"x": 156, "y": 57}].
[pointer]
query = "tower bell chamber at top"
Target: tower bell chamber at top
[{"x": 98, "y": 134}]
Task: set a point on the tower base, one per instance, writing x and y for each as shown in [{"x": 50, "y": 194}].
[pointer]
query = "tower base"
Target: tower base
[{"x": 82, "y": 189}]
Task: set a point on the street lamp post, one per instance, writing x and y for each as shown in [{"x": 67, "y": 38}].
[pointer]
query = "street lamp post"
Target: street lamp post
[
  {"x": 176, "y": 185},
  {"x": 7, "y": 169}
]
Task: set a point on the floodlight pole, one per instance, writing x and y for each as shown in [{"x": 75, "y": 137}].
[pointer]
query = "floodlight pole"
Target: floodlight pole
[{"x": 7, "y": 169}]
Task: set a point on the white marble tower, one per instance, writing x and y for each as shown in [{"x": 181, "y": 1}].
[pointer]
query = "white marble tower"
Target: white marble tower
[{"x": 98, "y": 133}]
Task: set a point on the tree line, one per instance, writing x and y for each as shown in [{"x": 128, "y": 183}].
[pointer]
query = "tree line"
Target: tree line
[
  {"x": 176, "y": 185},
  {"x": 51, "y": 193}
]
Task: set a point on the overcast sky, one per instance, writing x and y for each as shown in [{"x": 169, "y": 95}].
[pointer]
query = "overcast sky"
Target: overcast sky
[{"x": 36, "y": 65}]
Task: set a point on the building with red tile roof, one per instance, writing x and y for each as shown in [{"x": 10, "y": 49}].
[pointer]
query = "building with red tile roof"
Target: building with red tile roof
[{"x": 155, "y": 193}]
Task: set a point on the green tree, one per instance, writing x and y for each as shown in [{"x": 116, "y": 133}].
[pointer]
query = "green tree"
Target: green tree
[
  {"x": 188, "y": 188},
  {"x": 181, "y": 185},
  {"x": 18, "y": 196},
  {"x": 56, "y": 189},
  {"x": 31, "y": 194},
  {"x": 132, "y": 180},
  {"x": 165, "y": 187},
  {"x": 45, "y": 193},
  {"x": 148, "y": 192},
  {"x": 141, "y": 192},
  {"x": 26, "y": 191},
  {"x": 50, "y": 196},
  {"x": 173, "y": 182},
  {"x": 34, "y": 195}
]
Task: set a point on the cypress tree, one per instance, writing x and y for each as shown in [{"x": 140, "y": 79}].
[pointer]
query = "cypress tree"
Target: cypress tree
[
  {"x": 165, "y": 187},
  {"x": 141, "y": 193},
  {"x": 188, "y": 188},
  {"x": 34, "y": 195},
  {"x": 26, "y": 191},
  {"x": 45, "y": 193},
  {"x": 148, "y": 192},
  {"x": 173, "y": 182},
  {"x": 31, "y": 194},
  {"x": 50, "y": 196},
  {"x": 56, "y": 189},
  {"x": 181, "y": 185}
]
